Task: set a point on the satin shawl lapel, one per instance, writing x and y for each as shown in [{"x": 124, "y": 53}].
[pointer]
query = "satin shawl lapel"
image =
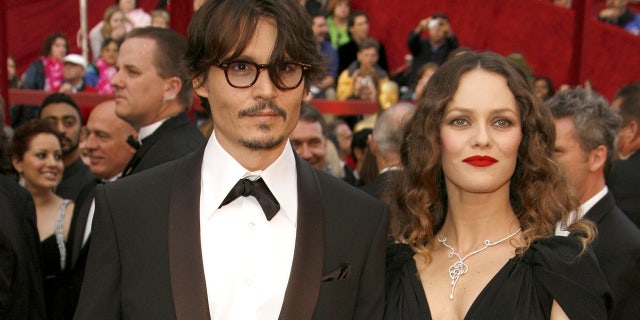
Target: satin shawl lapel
[
  {"x": 601, "y": 208},
  {"x": 85, "y": 199},
  {"x": 185, "y": 256},
  {"x": 306, "y": 271}
]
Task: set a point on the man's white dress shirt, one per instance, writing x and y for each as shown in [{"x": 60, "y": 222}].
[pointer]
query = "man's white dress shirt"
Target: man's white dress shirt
[
  {"x": 581, "y": 211},
  {"x": 246, "y": 259}
]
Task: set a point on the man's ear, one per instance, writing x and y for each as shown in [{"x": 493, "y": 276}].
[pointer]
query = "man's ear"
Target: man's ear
[
  {"x": 597, "y": 158},
  {"x": 633, "y": 128},
  {"x": 199, "y": 87},
  {"x": 372, "y": 145},
  {"x": 173, "y": 85}
]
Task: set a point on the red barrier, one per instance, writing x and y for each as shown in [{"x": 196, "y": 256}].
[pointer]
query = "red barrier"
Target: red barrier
[{"x": 87, "y": 100}]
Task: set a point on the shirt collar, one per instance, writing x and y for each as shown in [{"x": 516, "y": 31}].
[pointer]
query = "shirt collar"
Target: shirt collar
[
  {"x": 220, "y": 172},
  {"x": 392, "y": 168},
  {"x": 561, "y": 229},
  {"x": 587, "y": 205},
  {"x": 112, "y": 179},
  {"x": 625, "y": 157},
  {"x": 148, "y": 130}
]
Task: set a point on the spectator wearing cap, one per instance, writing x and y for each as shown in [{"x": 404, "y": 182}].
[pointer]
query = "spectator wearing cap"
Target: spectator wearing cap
[
  {"x": 64, "y": 115},
  {"x": 75, "y": 66}
]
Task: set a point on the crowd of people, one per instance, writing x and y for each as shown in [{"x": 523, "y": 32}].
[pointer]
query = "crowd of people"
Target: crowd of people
[{"x": 477, "y": 190}]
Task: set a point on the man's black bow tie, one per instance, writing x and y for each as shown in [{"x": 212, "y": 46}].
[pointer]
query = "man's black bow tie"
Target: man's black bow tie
[
  {"x": 259, "y": 190},
  {"x": 133, "y": 142}
]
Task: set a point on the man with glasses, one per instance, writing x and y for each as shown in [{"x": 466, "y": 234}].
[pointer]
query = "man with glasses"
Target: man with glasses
[
  {"x": 153, "y": 95},
  {"x": 243, "y": 228}
]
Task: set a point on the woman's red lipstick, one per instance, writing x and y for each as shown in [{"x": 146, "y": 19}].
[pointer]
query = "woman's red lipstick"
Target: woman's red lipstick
[{"x": 480, "y": 161}]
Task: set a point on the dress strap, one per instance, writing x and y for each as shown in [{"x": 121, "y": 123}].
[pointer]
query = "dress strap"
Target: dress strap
[{"x": 60, "y": 235}]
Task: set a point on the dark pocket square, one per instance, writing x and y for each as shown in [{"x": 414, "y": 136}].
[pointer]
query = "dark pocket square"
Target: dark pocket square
[{"x": 343, "y": 272}]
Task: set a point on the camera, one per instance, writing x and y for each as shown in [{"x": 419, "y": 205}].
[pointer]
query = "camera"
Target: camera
[
  {"x": 366, "y": 81},
  {"x": 433, "y": 23}
]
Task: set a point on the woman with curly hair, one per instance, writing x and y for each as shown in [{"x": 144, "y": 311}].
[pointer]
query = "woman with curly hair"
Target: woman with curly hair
[{"x": 475, "y": 208}]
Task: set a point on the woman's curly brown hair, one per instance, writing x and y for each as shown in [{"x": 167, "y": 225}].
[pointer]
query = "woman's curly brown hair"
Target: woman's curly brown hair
[{"x": 538, "y": 192}]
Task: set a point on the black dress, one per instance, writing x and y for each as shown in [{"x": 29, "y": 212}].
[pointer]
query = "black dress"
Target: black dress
[
  {"x": 53, "y": 258},
  {"x": 551, "y": 269}
]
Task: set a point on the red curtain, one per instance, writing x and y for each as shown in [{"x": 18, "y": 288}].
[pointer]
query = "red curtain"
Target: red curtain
[
  {"x": 545, "y": 34},
  {"x": 548, "y": 36},
  {"x": 30, "y": 21}
]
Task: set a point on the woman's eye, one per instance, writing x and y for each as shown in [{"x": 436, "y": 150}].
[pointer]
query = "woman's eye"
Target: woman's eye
[
  {"x": 502, "y": 123},
  {"x": 459, "y": 122}
]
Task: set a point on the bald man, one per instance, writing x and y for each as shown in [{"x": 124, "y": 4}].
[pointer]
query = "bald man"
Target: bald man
[
  {"x": 385, "y": 144},
  {"x": 106, "y": 144}
]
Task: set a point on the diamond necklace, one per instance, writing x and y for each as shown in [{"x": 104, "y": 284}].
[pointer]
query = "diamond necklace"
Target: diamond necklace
[{"x": 459, "y": 268}]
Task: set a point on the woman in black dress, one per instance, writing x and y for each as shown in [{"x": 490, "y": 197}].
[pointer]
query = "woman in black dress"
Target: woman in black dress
[
  {"x": 474, "y": 211},
  {"x": 36, "y": 154}
]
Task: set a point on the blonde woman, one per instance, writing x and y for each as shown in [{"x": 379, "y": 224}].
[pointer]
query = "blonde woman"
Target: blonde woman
[{"x": 114, "y": 26}]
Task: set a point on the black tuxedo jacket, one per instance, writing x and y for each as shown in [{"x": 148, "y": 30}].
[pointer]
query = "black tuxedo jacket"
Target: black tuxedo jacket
[
  {"x": 21, "y": 293},
  {"x": 74, "y": 177},
  {"x": 175, "y": 138},
  {"x": 379, "y": 185},
  {"x": 76, "y": 253},
  {"x": 145, "y": 257},
  {"x": 617, "y": 248},
  {"x": 623, "y": 181}
]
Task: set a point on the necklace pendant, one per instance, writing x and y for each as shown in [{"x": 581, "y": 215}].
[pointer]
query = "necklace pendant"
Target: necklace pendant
[
  {"x": 459, "y": 268},
  {"x": 456, "y": 270}
]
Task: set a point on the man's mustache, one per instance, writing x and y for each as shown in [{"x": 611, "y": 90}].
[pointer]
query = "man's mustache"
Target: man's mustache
[{"x": 261, "y": 106}]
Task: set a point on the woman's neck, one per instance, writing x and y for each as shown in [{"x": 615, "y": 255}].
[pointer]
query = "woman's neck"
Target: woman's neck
[
  {"x": 41, "y": 196},
  {"x": 473, "y": 218}
]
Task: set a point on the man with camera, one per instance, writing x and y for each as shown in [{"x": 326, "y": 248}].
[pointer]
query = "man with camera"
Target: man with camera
[
  {"x": 360, "y": 81},
  {"x": 436, "y": 47}
]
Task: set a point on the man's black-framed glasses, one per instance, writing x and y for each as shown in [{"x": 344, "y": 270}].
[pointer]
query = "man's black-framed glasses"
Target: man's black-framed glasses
[{"x": 244, "y": 74}]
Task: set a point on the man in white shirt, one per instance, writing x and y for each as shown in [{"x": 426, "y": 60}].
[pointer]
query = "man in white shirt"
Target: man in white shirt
[
  {"x": 243, "y": 228},
  {"x": 105, "y": 141},
  {"x": 586, "y": 131},
  {"x": 153, "y": 94}
]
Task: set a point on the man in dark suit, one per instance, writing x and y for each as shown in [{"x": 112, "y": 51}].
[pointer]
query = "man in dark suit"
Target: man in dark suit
[
  {"x": 625, "y": 172},
  {"x": 21, "y": 293},
  {"x": 64, "y": 115},
  {"x": 153, "y": 95},
  {"x": 105, "y": 142},
  {"x": 586, "y": 130},
  {"x": 243, "y": 228},
  {"x": 385, "y": 142}
]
